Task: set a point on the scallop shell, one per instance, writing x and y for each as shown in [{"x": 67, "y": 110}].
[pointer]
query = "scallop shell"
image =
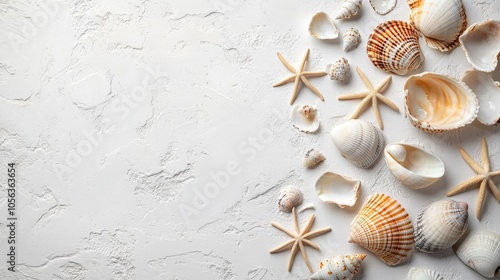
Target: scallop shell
[
  {"x": 481, "y": 251},
  {"x": 481, "y": 44},
  {"x": 360, "y": 142},
  {"x": 423, "y": 274},
  {"x": 352, "y": 38},
  {"x": 441, "y": 22},
  {"x": 349, "y": 9},
  {"x": 437, "y": 103},
  {"x": 414, "y": 166},
  {"x": 393, "y": 47},
  {"x": 440, "y": 225},
  {"x": 338, "y": 189},
  {"x": 322, "y": 27},
  {"x": 487, "y": 93},
  {"x": 383, "y": 7},
  {"x": 339, "y": 267},
  {"x": 312, "y": 158},
  {"x": 384, "y": 228},
  {"x": 305, "y": 118},
  {"x": 340, "y": 70},
  {"x": 288, "y": 198}
]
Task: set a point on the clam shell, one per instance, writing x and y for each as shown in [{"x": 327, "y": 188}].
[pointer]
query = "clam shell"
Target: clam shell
[
  {"x": 340, "y": 70},
  {"x": 481, "y": 251},
  {"x": 441, "y": 22},
  {"x": 481, "y": 44},
  {"x": 437, "y": 103},
  {"x": 288, "y": 198},
  {"x": 384, "y": 228},
  {"x": 338, "y": 189},
  {"x": 312, "y": 158},
  {"x": 440, "y": 225},
  {"x": 322, "y": 27},
  {"x": 360, "y": 142},
  {"x": 414, "y": 166},
  {"x": 423, "y": 274},
  {"x": 383, "y": 7},
  {"x": 339, "y": 267},
  {"x": 487, "y": 93},
  {"x": 351, "y": 38},
  {"x": 349, "y": 9},
  {"x": 305, "y": 118},
  {"x": 393, "y": 47}
]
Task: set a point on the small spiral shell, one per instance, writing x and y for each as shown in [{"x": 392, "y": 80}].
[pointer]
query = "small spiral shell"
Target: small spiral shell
[
  {"x": 349, "y": 9},
  {"x": 352, "y": 38},
  {"x": 288, "y": 198}
]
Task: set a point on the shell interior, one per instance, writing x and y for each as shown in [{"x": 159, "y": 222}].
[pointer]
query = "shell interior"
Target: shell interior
[
  {"x": 338, "y": 189},
  {"x": 487, "y": 93},
  {"x": 322, "y": 27},
  {"x": 305, "y": 118},
  {"x": 481, "y": 44},
  {"x": 383, "y": 7}
]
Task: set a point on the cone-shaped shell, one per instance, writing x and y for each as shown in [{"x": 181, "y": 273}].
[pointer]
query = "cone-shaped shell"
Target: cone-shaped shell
[
  {"x": 423, "y": 274},
  {"x": 339, "y": 267},
  {"x": 481, "y": 251},
  {"x": 487, "y": 93},
  {"x": 322, "y": 27},
  {"x": 384, "y": 228},
  {"x": 440, "y": 225},
  {"x": 349, "y": 9},
  {"x": 481, "y": 44},
  {"x": 441, "y": 22},
  {"x": 351, "y": 38},
  {"x": 393, "y": 47}
]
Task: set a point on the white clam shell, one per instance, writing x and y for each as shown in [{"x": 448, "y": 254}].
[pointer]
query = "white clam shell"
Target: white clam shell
[
  {"x": 312, "y": 158},
  {"x": 487, "y": 93},
  {"x": 339, "y": 71},
  {"x": 305, "y": 118},
  {"x": 349, "y": 9},
  {"x": 360, "y": 142},
  {"x": 339, "y": 267},
  {"x": 423, "y": 274},
  {"x": 288, "y": 198},
  {"x": 480, "y": 250},
  {"x": 351, "y": 38},
  {"x": 338, "y": 189},
  {"x": 481, "y": 44},
  {"x": 383, "y": 7},
  {"x": 322, "y": 27},
  {"x": 414, "y": 166}
]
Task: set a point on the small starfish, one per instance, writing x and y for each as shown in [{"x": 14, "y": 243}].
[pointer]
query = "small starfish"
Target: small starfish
[
  {"x": 299, "y": 239},
  {"x": 484, "y": 176},
  {"x": 300, "y": 76},
  {"x": 373, "y": 95}
]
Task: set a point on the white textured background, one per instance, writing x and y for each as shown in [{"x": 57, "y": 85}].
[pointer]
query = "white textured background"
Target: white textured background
[{"x": 118, "y": 112}]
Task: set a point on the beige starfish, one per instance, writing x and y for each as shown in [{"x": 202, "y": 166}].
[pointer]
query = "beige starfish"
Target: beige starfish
[
  {"x": 373, "y": 95},
  {"x": 484, "y": 177},
  {"x": 299, "y": 76},
  {"x": 299, "y": 239}
]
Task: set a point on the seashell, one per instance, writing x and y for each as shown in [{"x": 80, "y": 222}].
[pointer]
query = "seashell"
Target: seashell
[
  {"x": 383, "y": 7},
  {"x": 481, "y": 251},
  {"x": 441, "y": 22},
  {"x": 414, "y": 166},
  {"x": 339, "y": 71},
  {"x": 305, "y": 118},
  {"x": 349, "y": 9},
  {"x": 352, "y": 38},
  {"x": 288, "y": 198},
  {"x": 440, "y": 225},
  {"x": 423, "y": 274},
  {"x": 322, "y": 27},
  {"x": 312, "y": 158},
  {"x": 481, "y": 44},
  {"x": 393, "y": 47},
  {"x": 358, "y": 141},
  {"x": 437, "y": 103},
  {"x": 384, "y": 228},
  {"x": 338, "y": 189},
  {"x": 339, "y": 267},
  {"x": 487, "y": 93}
]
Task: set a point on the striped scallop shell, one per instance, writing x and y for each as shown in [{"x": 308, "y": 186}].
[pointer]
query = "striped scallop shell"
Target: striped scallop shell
[
  {"x": 384, "y": 228},
  {"x": 423, "y": 274},
  {"x": 440, "y": 225},
  {"x": 393, "y": 47}
]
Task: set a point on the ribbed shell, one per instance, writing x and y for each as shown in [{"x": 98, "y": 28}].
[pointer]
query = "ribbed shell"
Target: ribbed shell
[
  {"x": 481, "y": 252},
  {"x": 339, "y": 267},
  {"x": 312, "y": 158},
  {"x": 440, "y": 225},
  {"x": 383, "y": 7},
  {"x": 349, "y": 9},
  {"x": 393, "y": 47},
  {"x": 423, "y": 274},
  {"x": 383, "y": 227},
  {"x": 351, "y": 38}
]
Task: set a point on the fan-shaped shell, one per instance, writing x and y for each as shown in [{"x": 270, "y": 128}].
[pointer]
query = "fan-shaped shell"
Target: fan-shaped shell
[
  {"x": 305, "y": 118},
  {"x": 481, "y": 44},
  {"x": 437, "y": 103},
  {"x": 351, "y": 38},
  {"x": 383, "y": 7},
  {"x": 339, "y": 267},
  {"x": 487, "y": 93},
  {"x": 359, "y": 142},
  {"x": 340, "y": 70},
  {"x": 440, "y": 225},
  {"x": 384, "y": 228},
  {"x": 423, "y": 274},
  {"x": 349, "y": 9},
  {"x": 414, "y": 166},
  {"x": 288, "y": 198},
  {"x": 441, "y": 22},
  {"x": 322, "y": 27},
  {"x": 393, "y": 47},
  {"x": 338, "y": 189},
  {"x": 312, "y": 158},
  {"x": 481, "y": 251}
]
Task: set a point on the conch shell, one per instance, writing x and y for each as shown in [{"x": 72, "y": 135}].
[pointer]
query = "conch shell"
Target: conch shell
[
  {"x": 349, "y": 9},
  {"x": 351, "y": 38},
  {"x": 339, "y": 267}
]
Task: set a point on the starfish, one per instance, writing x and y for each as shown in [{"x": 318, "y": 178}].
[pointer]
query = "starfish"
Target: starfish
[
  {"x": 373, "y": 95},
  {"x": 299, "y": 239},
  {"x": 484, "y": 177},
  {"x": 299, "y": 76}
]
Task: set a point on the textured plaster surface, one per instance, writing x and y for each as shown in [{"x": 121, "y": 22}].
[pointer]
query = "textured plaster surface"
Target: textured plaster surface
[{"x": 151, "y": 145}]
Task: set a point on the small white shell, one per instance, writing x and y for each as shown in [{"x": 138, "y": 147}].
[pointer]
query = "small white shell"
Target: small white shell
[
  {"x": 340, "y": 70},
  {"x": 338, "y": 189},
  {"x": 312, "y": 158},
  {"x": 352, "y": 38},
  {"x": 423, "y": 274},
  {"x": 339, "y": 267},
  {"x": 487, "y": 93},
  {"x": 305, "y": 118},
  {"x": 322, "y": 27},
  {"x": 288, "y": 198},
  {"x": 481, "y": 44},
  {"x": 383, "y": 7},
  {"x": 349, "y": 9},
  {"x": 414, "y": 166},
  {"x": 481, "y": 251}
]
